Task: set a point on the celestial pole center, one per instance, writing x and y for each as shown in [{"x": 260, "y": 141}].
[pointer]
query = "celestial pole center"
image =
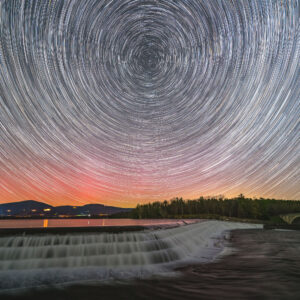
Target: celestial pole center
[{"x": 124, "y": 102}]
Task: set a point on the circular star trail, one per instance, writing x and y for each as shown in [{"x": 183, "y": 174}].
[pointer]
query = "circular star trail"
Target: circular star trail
[{"x": 130, "y": 101}]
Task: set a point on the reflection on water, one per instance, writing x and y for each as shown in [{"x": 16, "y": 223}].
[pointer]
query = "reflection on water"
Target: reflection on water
[{"x": 90, "y": 222}]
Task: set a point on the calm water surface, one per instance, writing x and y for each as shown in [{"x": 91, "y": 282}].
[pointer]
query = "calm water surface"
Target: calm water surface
[{"x": 90, "y": 222}]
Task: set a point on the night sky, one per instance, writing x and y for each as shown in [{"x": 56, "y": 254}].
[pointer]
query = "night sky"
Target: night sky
[{"x": 124, "y": 102}]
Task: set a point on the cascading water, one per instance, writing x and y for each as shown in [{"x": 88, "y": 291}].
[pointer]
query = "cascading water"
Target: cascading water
[{"x": 51, "y": 259}]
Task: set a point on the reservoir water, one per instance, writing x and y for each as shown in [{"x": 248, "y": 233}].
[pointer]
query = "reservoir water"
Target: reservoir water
[
  {"x": 64, "y": 223},
  {"x": 206, "y": 260}
]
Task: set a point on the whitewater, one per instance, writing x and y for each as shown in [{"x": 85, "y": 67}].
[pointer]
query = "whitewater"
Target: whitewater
[{"x": 40, "y": 260}]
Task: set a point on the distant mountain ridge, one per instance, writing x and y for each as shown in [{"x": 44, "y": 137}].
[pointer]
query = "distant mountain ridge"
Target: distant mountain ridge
[{"x": 36, "y": 208}]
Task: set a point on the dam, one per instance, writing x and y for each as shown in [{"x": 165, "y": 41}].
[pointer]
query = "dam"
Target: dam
[{"x": 36, "y": 260}]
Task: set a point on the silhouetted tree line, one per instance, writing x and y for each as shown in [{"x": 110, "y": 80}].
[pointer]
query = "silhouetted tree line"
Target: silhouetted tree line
[{"x": 239, "y": 207}]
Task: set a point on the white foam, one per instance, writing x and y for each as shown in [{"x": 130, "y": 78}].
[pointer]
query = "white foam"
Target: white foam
[{"x": 28, "y": 261}]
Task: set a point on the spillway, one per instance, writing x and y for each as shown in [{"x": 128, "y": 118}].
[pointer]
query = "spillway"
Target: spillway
[{"x": 29, "y": 261}]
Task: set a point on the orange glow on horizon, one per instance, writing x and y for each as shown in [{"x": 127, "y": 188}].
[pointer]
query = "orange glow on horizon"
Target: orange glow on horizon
[{"x": 82, "y": 198}]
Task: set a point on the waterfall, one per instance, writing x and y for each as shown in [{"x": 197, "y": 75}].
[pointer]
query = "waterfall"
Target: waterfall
[{"x": 42, "y": 259}]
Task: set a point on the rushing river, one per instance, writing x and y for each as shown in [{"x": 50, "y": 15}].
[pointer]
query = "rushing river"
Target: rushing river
[{"x": 187, "y": 262}]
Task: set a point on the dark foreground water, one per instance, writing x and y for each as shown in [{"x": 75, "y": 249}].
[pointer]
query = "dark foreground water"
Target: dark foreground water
[{"x": 265, "y": 264}]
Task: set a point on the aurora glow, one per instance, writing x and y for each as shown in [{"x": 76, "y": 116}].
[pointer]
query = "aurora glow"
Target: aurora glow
[{"x": 120, "y": 102}]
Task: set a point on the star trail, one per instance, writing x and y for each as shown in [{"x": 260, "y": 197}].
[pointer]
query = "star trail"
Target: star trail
[{"x": 123, "y": 102}]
